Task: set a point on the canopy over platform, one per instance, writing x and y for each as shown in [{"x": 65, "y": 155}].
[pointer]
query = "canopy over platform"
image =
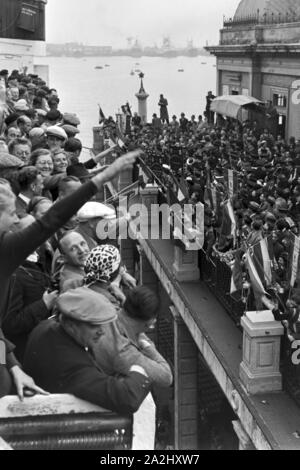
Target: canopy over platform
[{"x": 231, "y": 105}]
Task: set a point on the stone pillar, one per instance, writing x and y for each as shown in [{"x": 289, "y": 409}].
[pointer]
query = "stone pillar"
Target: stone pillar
[
  {"x": 259, "y": 370},
  {"x": 149, "y": 216},
  {"x": 185, "y": 267},
  {"x": 142, "y": 97},
  {"x": 98, "y": 145},
  {"x": 186, "y": 386},
  {"x": 149, "y": 196},
  {"x": 245, "y": 442}
]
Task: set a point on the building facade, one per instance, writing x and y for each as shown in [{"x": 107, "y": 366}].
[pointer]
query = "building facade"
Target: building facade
[
  {"x": 259, "y": 55},
  {"x": 22, "y": 35}
]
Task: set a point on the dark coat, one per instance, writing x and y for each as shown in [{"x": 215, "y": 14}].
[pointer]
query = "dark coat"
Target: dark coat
[
  {"x": 27, "y": 308},
  {"x": 60, "y": 365},
  {"x": 21, "y": 208}
]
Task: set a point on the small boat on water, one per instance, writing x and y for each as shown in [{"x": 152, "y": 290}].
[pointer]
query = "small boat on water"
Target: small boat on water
[
  {"x": 107, "y": 65},
  {"x": 203, "y": 63},
  {"x": 180, "y": 70},
  {"x": 132, "y": 72},
  {"x": 138, "y": 70},
  {"x": 99, "y": 67}
]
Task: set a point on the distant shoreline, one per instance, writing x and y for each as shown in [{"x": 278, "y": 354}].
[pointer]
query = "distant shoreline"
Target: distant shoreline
[
  {"x": 80, "y": 56},
  {"x": 62, "y": 51}
]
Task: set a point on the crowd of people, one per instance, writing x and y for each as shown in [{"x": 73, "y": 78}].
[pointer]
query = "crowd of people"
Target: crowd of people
[
  {"x": 248, "y": 180},
  {"x": 72, "y": 319}
]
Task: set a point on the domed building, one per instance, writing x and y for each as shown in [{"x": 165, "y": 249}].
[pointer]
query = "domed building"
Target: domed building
[
  {"x": 259, "y": 55},
  {"x": 251, "y": 8}
]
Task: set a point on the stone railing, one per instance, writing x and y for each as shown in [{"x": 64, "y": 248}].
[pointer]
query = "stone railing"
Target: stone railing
[
  {"x": 61, "y": 422},
  {"x": 260, "y": 19},
  {"x": 64, "y": 422}
]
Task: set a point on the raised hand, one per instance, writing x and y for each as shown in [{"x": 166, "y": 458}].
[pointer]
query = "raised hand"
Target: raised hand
[{"x": 121, "y": 164}]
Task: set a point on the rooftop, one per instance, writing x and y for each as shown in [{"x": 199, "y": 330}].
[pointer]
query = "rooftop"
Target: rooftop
[{"x": 252, "y": 12}]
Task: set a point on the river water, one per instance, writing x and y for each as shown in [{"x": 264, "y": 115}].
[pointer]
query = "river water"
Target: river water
[{"x": 81, "y": 87}]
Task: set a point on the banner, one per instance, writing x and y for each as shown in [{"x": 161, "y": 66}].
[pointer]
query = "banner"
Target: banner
[
  {"x": 237, "y": 273},
  {"x": 294, "y": 261},
  {"x": 260, "y": 264},
  {"x": 231, "y": 182},
  {"x": 256, "y": 282}
]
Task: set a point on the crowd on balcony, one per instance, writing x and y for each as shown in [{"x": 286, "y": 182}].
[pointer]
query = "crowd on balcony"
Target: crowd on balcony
[
  {"x": 249, "y": 183},
  {"x": 72, "y": 319}
]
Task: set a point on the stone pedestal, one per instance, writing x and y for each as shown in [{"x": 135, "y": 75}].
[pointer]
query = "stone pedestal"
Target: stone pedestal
[
  {"x": 259, "y": 370},
  {"x": 149, "y": 196},
  {"x": 185, "y": 267},
  {"x": 149, "y": 215},
  {"x": 98, "y": 145}
]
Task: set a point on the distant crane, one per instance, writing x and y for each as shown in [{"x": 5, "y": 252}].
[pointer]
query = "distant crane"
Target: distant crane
[{"x": 129, "y": 42}]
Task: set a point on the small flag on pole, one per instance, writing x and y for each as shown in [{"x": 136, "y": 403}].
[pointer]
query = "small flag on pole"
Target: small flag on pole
[
  {"x": 294, "y": 261},
  {"x": 231, "y": 181},
  {"x": 237, "y": 273}
]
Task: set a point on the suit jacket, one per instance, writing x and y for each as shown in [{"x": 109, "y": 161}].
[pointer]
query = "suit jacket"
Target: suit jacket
[
  {"x": 60, "y": 365},
  {"x": 27, "y": 308},
  {"x": 15, "y": 247}
]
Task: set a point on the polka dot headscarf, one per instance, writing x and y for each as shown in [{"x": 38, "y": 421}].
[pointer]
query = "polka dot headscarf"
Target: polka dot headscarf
[{"x": 103, "y": 261}]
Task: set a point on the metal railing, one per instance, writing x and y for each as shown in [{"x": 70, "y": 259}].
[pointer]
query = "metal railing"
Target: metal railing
[
  {"x": 261, "y": 19},
  {"x": 217, "y": 276}
]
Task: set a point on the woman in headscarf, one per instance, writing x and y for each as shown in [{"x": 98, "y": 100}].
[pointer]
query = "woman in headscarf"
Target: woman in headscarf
[{"x": 102, "y": 273}]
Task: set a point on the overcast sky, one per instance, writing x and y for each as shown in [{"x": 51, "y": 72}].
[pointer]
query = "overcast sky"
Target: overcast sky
[{"x": 111, "y": 22}]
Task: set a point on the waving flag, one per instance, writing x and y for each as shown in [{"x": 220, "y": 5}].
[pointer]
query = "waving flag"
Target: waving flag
[
  {"x": 237, "y": 273},
  {"x": 231, "y": 181},
  {"x": 259, "y": 261},
  {"x": 256, "y": 282},
  {"x": 294, "y": 259},
  {"x": 101, "y": 115},
  {"x": 229, "y": 226}
]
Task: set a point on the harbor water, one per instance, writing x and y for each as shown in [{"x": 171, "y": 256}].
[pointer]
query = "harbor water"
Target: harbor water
[{"x": 82, "y": 86}]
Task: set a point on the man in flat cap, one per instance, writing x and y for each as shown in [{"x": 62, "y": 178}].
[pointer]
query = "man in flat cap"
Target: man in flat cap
[
  {"x": 60, "y": 355},
  {"x": 56, "y": 137},
  {"x": 71, "y": 119}
]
